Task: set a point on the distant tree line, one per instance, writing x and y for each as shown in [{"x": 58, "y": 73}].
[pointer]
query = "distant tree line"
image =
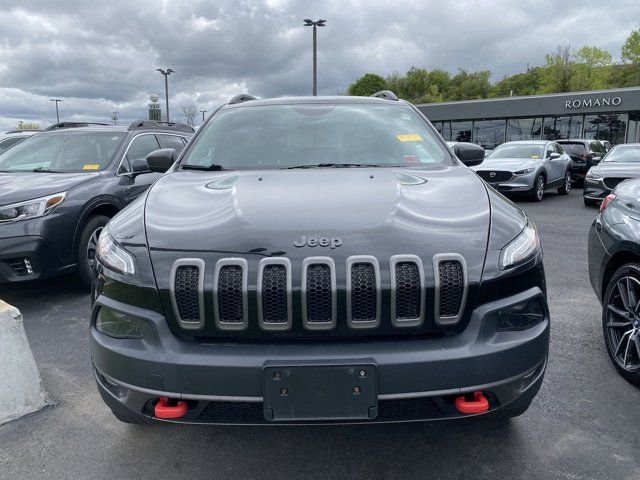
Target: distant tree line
[{"x": 565, "y": 70}]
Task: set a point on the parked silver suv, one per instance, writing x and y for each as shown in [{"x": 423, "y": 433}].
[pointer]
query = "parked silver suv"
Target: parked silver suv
[{"x": 528, "y": 166}]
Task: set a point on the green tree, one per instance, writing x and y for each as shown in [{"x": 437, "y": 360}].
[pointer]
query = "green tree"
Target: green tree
[
  {"x": 519, "y": 84},
  {"x": 557, "y": 72},
  {"x": 631, "y": 48},
  {"x": 366, "y": 85},
  {"x": 468, "y": 86},
  {"x": 591, "y": 69}
]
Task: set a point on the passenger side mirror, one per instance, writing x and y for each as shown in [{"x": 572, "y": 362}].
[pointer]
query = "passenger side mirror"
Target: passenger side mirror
[
  {"x": 554, "y": 155},
  {"x": 139, "y": 165},
  {"x": 469, "y": 153},
  {"x": 161, "y": 160}
]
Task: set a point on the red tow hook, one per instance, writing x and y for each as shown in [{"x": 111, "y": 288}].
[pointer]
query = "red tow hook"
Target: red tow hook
[
  {"x": 479, "y": 404},
  {"x": 167, "y": 409}
]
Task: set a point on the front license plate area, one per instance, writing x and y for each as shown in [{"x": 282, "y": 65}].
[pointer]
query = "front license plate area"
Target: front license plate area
[{"x": 320, "y": 392}]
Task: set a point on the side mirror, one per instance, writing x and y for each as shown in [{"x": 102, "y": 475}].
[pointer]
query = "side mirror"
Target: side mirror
[
  {"x": 161, "y": 160},
  {"x": 139, "y": 165},
  {"x": 554, "y": 155},
  {"x": 469, "y": 153}
]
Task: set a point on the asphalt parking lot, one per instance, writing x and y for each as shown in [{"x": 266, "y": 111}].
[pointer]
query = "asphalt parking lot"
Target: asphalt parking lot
[{"x": 584, "y": 424}]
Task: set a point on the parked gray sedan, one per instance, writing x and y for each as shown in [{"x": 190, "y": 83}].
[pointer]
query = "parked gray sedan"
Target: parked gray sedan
[{"x": 528, "y": 166}]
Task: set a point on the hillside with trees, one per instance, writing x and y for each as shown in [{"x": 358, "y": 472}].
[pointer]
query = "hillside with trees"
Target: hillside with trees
[{"x": 564, "y": 70}]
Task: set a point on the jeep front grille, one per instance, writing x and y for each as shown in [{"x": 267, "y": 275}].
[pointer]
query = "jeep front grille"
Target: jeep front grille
[
  {"x": 317, "y": 303},
  {"x": 451, "y": 288},
  {"x": 187, "y": 292}
]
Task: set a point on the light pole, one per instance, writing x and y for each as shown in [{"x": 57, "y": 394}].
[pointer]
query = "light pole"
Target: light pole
[
  {"x": 166, "y": 74},
  {"x": 318, "y": 23},
  {"x": 114, "y": 117},
  {"x": 57, "y": 100},
  {"x": 203, "y": 112}
]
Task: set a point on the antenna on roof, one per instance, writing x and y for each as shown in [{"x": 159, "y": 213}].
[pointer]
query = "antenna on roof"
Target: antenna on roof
[{"x": 386, "y": 94}]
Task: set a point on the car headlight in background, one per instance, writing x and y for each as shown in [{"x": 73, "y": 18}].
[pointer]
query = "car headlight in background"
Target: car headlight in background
[
  {"x": 113, "y": 256},
  {"x": 31, "y": 208},
  {"x": 522, "y": 248},
  {"x": 524, "y": 171},
  {"x": 593, "y": 175}
]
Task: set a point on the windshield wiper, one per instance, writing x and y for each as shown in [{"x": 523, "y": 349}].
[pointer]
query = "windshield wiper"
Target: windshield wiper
[
  {"x": 334, "y": 165},
  {"x": 42, "y": 169},
  {"x": 214, "y": 167}
]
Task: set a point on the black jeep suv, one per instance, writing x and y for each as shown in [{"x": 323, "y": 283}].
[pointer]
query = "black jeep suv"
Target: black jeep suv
[
  {"x": 323, "y": 259},
  {"x": 59, "y": 188}
]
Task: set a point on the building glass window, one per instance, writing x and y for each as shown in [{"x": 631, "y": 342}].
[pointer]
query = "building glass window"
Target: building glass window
[
  {"x": 555, "y": 128},
  {"x": 523, "y": 129},
  {"x": 611, "y": 127},
  {"x": 438, "y": 127},
  {"x": 633, "y": 134},
  {"x": 489, "y": 133},
  {"x": 460, "y": 131}
]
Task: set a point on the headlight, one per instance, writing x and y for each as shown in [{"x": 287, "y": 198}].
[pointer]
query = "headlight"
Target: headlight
[
  {"x": 113, "y": 256},
  {"x": 525, "y": 246},
  {"x": 31, "y": 208},
  {"x": 118, "y": 325},
  {"x": 593, "y": 175},
  {"x": 524, "y": 172}
]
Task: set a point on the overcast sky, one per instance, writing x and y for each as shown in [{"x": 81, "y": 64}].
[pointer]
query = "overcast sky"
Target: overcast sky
[{"x": 100, "y": 56}]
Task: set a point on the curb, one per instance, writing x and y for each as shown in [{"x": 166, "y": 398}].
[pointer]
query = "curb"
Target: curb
[{"x": 21, "y": 389}]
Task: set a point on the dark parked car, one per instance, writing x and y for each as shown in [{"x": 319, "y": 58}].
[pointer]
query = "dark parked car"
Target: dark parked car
[
  {"x": 585, "y": 154},
  {"x": 322, "y": 259},
  {"x": 621, "y": 163},
  {"x": 614, "y": 269},
  {"x": 59, "y": 188}
]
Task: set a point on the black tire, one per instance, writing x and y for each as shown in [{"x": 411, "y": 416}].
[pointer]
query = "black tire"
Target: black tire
[
  {"x": 621, "y": 321},
  {"x": 85, "y": 253},
  {"x": 566, "y": 188},
  {"x": 590, "y": 203},
  {"x": 537, "y": 192}
]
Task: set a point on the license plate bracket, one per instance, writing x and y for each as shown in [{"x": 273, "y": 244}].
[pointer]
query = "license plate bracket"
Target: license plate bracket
[{"x": 320, "y": 392}]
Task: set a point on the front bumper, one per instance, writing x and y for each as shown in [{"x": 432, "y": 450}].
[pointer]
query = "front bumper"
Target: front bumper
[
  {"x": 416, "y": 379},
  {"x": 595, "y": 189},
  {"x": 517, "y": 183}
]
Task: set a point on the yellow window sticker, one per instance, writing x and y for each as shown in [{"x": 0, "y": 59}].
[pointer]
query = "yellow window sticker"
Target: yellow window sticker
[
  {"x": 411, "y": 137},
  {"x": 91, "y": 166},
  {"x": 535, "y": 157}
]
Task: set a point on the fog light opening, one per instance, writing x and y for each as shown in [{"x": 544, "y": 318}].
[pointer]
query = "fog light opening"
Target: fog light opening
[
  {"x": 117, "y": 324},
  {"x": 520, "y": 316}
]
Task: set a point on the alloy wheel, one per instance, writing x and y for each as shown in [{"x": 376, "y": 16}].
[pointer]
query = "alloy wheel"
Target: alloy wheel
[
  {"x": 567, "y": 182},
  {"x": 540, "y": 188},
  {"x": 92, "y": 246},
  {"x": 622, "y": 323}
]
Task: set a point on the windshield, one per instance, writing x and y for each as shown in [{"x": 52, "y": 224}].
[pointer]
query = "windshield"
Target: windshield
[
  {"x": 285, "y": 136},
  {"x": 62, "y": 152},
  {"x": 574, "y": 148},
  {"x": 532, "y": 151},
  {"x": 623, "y": 154}
]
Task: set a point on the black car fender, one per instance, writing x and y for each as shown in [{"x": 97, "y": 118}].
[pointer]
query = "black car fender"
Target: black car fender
[{"x": 101, "y": 205}]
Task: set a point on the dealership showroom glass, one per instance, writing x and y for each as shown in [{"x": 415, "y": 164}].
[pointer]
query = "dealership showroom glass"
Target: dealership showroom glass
[{"x": 611, "y": 115}]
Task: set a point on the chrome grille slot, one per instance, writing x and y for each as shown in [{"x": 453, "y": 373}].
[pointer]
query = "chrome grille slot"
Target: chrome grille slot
[
  {"x": 363, "y": 292},
  {"x": 274, "y": 293},
  {"x": 187, "y": 281},
  {"x": 407, "y": 291},
  {"x": 230, "y": 294},
  {"x": 318, "y": 292},
  {"x": 450, "y": 288}
]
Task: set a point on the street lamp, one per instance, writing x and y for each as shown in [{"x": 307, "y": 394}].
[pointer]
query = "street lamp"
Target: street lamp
[
  {"x": 57, "y": 100},
  {"x": 318, "y": 23},
  {"x": 166, "y": 74},
  {"x": 203, "y": 112}
]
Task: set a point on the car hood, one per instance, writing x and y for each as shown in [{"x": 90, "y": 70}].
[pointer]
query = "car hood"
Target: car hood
[
  {"x": 612, "y": 169},
  {"x": 378, "y": 211},
  {"x": 20, "y": 186},
  {"x": 505, "y": 164}
]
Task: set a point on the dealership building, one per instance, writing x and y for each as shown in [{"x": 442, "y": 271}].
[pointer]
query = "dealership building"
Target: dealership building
[{"x": 612, "y": 115}]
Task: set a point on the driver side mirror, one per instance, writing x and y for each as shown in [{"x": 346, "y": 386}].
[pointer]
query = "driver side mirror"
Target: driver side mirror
[
  {"x": 161, "y": 160},
  {"x": 469, "y": 153},
  {"x": 554, "y": 155},
  {"x": 138, "y": 166}
]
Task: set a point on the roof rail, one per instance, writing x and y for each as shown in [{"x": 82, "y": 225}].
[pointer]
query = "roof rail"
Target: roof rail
[
  {"x": 156, "y": 124},
  {"x": 243, "y": 97},
  {"x": 61, "y": 125},
  {"x": 24, "y": 130},
  {"x": 386, "y": 94}
]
